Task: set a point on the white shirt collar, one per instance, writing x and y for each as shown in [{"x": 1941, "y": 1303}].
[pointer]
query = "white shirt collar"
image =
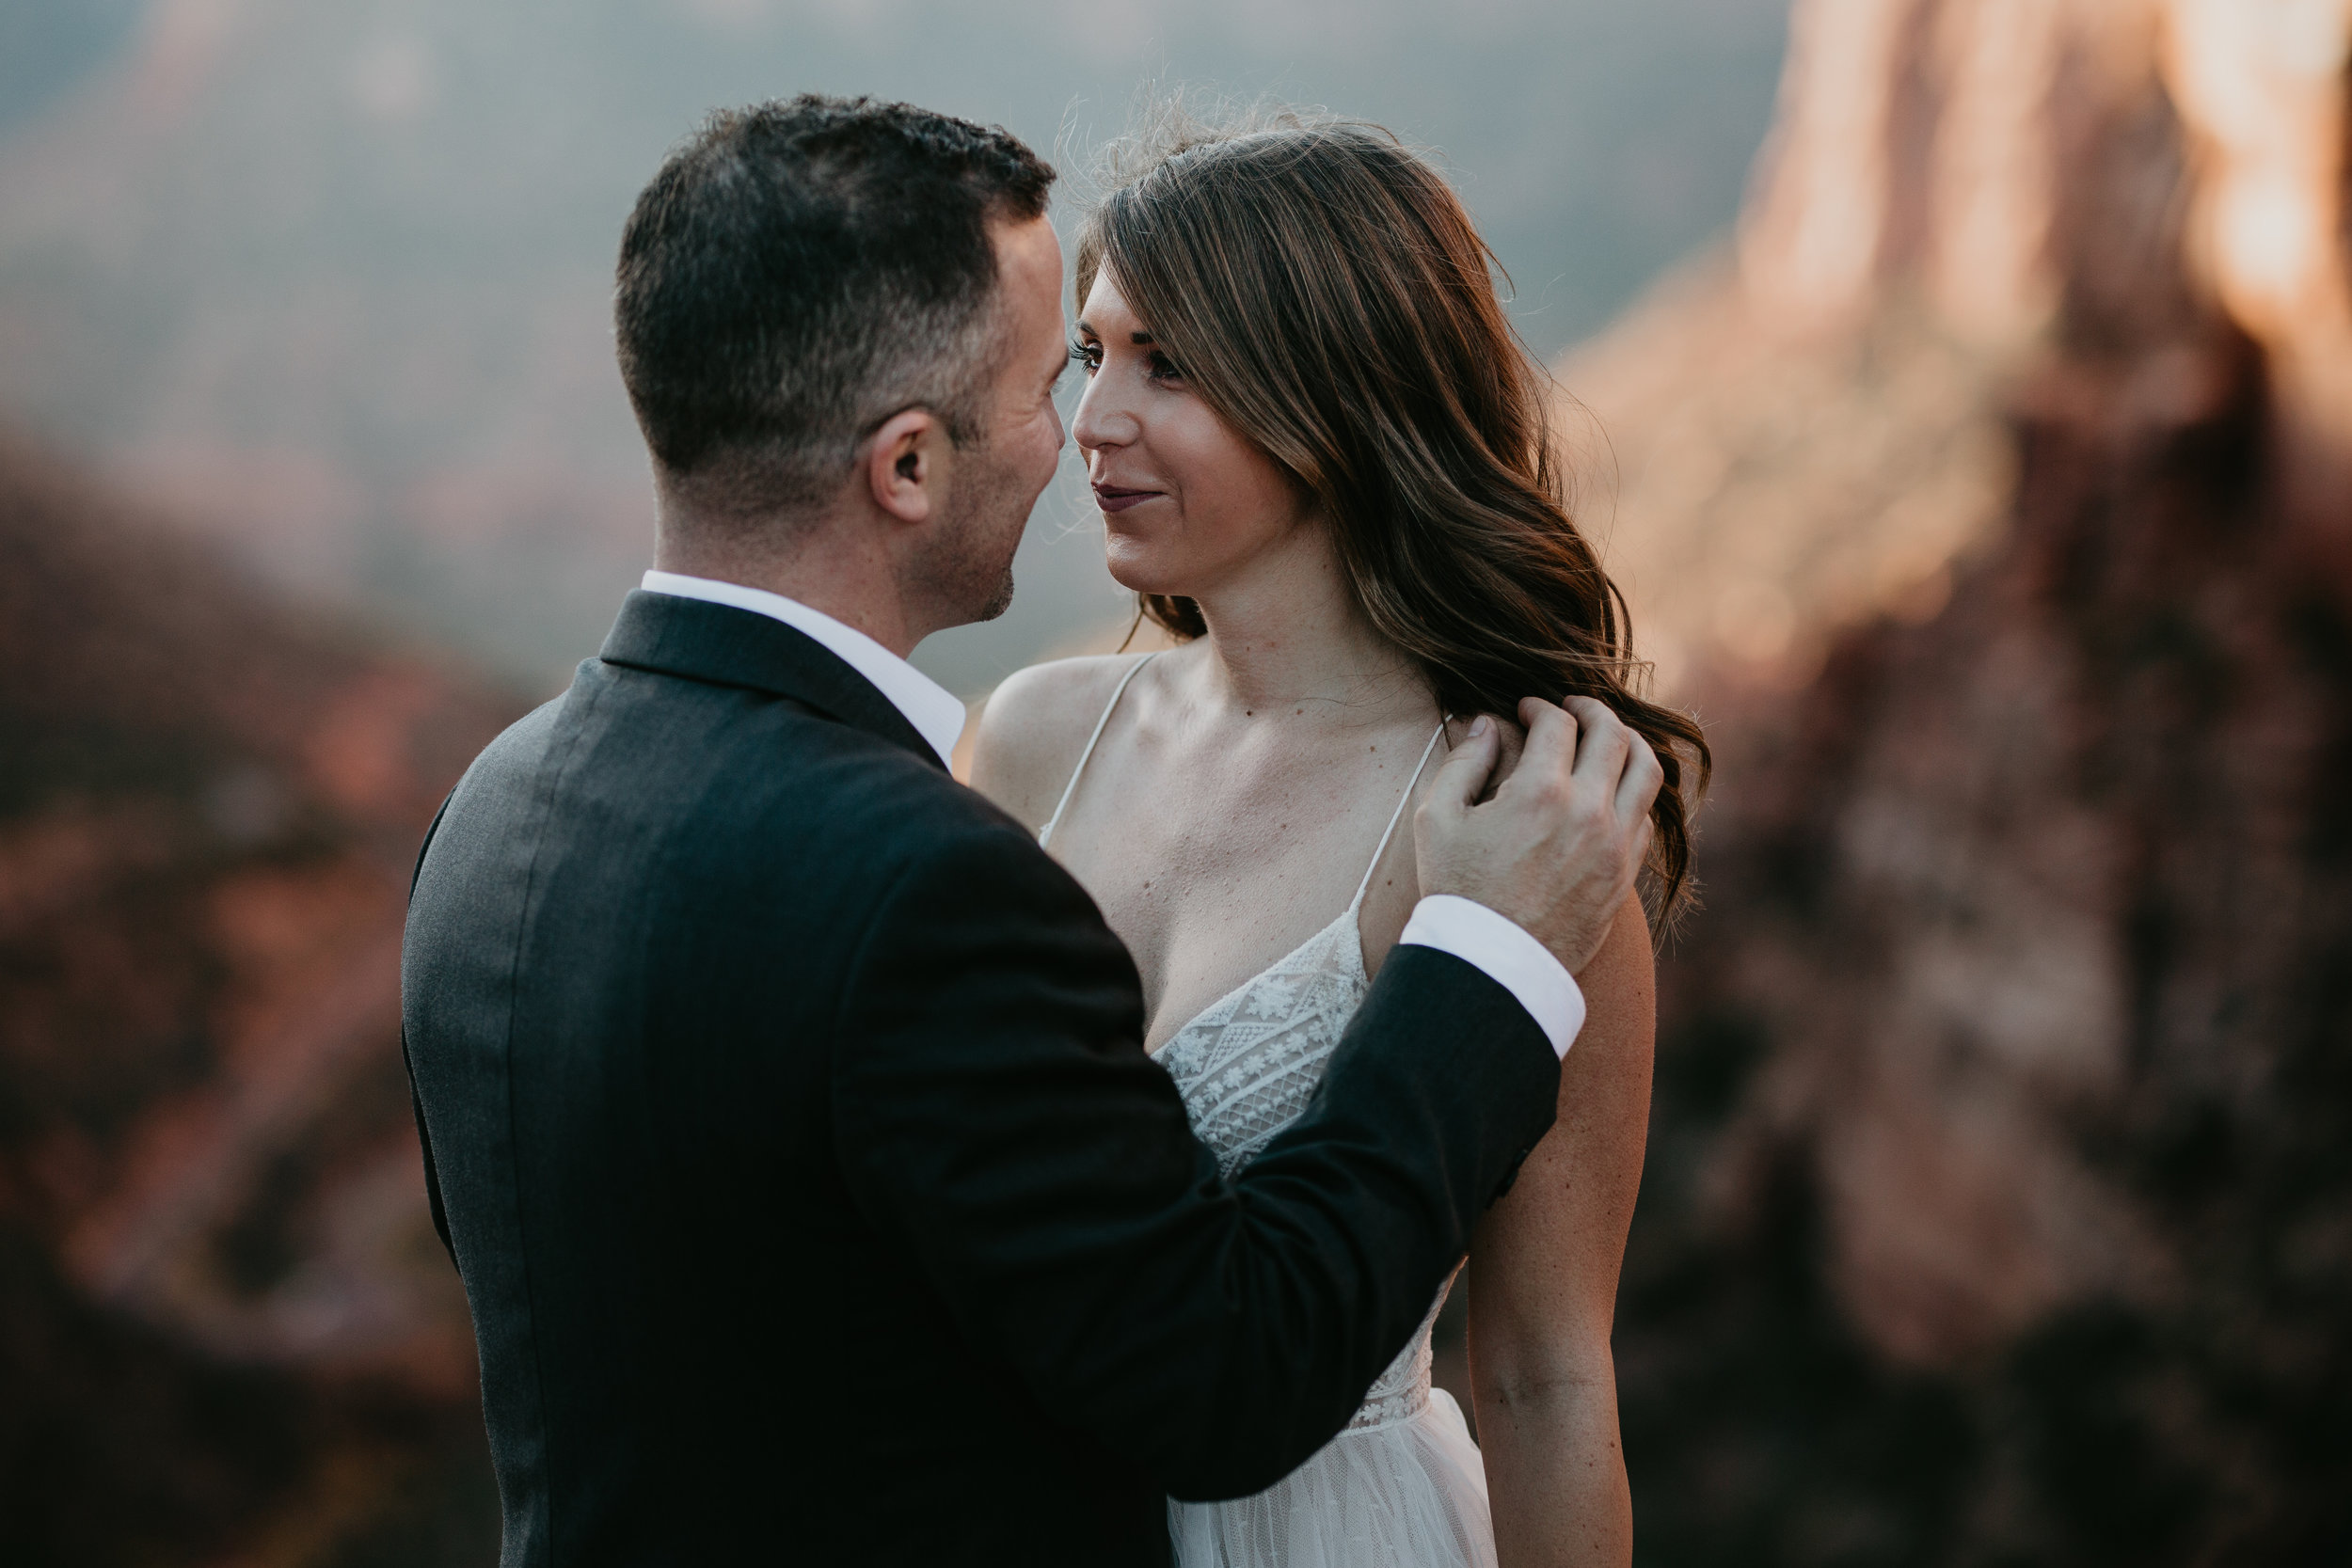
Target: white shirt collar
[{"x": 936, "y": 715}]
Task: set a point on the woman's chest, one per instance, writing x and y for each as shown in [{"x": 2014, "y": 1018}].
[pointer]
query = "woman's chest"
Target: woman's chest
[{"x": 1209, "y": 878}]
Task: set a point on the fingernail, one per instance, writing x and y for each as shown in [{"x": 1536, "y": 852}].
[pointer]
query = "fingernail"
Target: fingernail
[{"x": 1480, "y": 725}]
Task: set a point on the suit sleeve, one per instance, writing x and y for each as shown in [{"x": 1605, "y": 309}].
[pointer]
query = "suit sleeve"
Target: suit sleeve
[
  {"x": 996, "y": 1111},
  {"x": 415, "y": 1103}
]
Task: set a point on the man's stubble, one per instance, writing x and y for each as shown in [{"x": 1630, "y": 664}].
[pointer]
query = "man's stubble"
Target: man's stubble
[{"x": 970, "y": 569}]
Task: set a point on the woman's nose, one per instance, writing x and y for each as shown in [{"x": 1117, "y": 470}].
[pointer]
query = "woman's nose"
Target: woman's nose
[{"x": 1100, "y": 421}]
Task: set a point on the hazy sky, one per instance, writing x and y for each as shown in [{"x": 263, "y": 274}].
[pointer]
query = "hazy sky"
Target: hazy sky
[{"x": 330, "y": 276}]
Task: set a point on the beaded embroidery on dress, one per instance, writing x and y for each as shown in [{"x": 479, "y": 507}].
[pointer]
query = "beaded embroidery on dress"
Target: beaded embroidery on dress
[{"x": 1403, "y": 1484}]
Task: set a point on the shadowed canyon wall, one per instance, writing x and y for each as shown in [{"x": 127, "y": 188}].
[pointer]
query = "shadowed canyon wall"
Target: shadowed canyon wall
[
  {"x": 227, "y": 1331},
  {"x": 1992, "y": 501}
]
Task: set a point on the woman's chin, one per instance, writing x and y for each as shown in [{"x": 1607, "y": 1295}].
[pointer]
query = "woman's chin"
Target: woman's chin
[{"x": 1139, "y": 572}]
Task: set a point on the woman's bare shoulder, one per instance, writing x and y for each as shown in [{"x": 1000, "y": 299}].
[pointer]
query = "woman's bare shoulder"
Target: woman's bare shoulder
[{"x": 1034, "y": 726}]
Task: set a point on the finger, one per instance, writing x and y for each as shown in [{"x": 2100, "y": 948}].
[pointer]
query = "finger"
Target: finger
[
  {"x": 1462, "y": 777},
  {"x": 1638, "y": 787},
  {"x": 1600, "y": 755},
  {"x": 1514, "y": 741},
  {"x": 1549, "y": 753}
]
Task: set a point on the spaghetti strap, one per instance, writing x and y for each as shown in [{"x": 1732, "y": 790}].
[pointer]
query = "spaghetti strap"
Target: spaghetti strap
[
  {"x": 1394, "y": 817},
  {"x": 1046, "y": 832}
]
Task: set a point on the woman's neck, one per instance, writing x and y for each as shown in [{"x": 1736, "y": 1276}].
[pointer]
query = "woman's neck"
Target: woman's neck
[{"x": 1284, "y": 633}]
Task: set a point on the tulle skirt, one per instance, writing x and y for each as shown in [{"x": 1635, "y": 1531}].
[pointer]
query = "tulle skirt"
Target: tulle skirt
[{"x": 1409, "y": 1492}]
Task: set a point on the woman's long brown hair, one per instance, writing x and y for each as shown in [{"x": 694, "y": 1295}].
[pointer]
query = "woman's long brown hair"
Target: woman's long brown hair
[{"x": 1325, "y": 291}]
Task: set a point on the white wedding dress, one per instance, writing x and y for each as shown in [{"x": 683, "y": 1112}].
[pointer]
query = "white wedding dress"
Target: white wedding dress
[{"x": 1402, "y": 1486}]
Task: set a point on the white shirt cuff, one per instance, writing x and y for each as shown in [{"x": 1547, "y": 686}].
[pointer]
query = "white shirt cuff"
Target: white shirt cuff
[{"x": 1504, "y": 951}]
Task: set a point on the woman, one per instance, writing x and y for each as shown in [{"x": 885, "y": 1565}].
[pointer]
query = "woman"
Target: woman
[{"x": 1324, "y": 463}]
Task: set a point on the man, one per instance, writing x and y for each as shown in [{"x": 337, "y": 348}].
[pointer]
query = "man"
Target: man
[{"x": 785, "y": 1105}]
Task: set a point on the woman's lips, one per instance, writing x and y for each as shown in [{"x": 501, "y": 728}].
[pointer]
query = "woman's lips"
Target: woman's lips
[{"x": 1110, "y": 498}]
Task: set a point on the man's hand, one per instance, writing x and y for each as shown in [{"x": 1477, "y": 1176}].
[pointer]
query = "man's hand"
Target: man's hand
[{"x": 1556, "y": 849}]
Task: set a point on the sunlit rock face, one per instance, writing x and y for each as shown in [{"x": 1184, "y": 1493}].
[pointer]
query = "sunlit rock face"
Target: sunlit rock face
[
  {"x": 227, "y": 1321},
  {"x": 1812, "y": 429},
  {"x": 1991, "y": 499}
]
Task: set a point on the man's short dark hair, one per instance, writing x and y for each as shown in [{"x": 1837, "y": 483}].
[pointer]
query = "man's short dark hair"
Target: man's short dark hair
[{"x": 800, "y": 272}]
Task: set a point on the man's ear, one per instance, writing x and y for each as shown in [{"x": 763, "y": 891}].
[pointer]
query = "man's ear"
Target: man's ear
[{"x": 905, "y": 466}]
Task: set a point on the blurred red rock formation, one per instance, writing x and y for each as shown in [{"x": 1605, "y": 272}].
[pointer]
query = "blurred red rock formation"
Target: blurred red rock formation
[
  {"x": 210, "y": 1191},
  {"x": 1994, "y": 499},
  {"x": 1813, "y": 429}
]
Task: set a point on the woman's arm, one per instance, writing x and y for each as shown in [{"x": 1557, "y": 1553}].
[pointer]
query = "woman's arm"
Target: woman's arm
[{"x": 1543, "y": 1285}]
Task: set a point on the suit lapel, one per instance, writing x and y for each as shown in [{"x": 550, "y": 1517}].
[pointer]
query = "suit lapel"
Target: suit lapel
[{"x": 727, "y": 646}]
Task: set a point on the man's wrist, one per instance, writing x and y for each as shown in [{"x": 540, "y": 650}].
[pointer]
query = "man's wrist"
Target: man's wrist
[{"x": 1508, "y": 955}]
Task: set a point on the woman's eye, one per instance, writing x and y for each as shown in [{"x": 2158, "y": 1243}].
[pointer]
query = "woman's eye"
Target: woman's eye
[
  {"x": 1164, "y": 368},
  {"x": 1088, "y": 355}
]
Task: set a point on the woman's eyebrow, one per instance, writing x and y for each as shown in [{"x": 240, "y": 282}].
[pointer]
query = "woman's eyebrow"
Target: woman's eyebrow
[{"x": 1141, "y": 340}]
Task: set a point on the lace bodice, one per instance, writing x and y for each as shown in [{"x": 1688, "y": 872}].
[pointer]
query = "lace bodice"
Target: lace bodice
[{"x": 1248, "y": 1065}]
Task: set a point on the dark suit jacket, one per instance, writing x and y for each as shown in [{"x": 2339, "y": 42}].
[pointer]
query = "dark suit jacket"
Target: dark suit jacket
[{"x": 786, "y": 1116}]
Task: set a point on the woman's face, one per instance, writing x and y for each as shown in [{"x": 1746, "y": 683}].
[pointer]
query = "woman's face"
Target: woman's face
[{"x": 1185, "y": 500}]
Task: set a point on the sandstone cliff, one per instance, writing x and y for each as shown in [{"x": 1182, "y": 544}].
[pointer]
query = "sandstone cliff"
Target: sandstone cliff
[
  {"x": 224, "y": 1320},
  {"x": 1994, "y": 501}
]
